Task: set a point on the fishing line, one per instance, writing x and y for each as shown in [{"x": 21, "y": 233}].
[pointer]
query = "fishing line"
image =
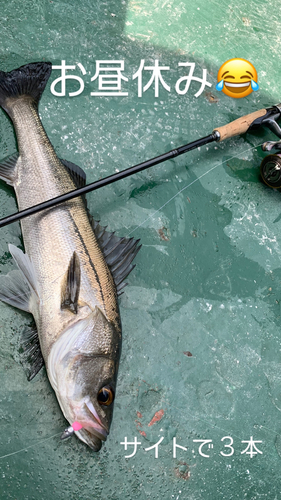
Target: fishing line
[
  {"x": 253, "y": 121},
  {"x": 137, "y": 227},
  {"x": 31, "y": 446},
  {"x": 191, "y": 183},
  {"x": 174, "y": 196}
]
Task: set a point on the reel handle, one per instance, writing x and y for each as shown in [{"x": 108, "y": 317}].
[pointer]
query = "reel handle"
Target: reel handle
[{"x": 239, "y": 126}]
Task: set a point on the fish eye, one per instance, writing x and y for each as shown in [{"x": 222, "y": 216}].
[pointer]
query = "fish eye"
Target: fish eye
[{"x": 105, "y": 396}]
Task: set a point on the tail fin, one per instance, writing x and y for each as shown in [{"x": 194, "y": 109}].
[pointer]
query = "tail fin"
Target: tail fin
[{"x": 29, "y": 80}]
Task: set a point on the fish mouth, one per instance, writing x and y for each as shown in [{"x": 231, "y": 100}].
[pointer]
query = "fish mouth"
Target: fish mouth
[
  {"x": 95, "y": 425},
  {"x": 93, "y": 431},
  {"x": 237, "y": 88},
  {"x": 90, "y": 439}
]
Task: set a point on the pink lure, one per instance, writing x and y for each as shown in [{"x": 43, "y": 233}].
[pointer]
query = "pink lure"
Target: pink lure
[{"x": 76, "y": 426}]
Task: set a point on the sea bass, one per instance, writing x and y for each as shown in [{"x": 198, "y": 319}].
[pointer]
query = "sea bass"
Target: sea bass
[{"x": 71, "y": 272}]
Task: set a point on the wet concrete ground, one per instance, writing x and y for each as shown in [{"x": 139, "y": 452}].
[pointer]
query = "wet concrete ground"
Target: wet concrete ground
[{"x": 201, "y": 317}]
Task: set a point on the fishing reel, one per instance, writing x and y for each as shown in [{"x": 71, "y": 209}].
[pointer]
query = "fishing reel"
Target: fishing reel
[{"x": 270, "y": 168}]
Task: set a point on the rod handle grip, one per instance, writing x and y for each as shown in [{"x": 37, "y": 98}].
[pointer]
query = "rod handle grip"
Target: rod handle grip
[{"x": 239, "y": 126}]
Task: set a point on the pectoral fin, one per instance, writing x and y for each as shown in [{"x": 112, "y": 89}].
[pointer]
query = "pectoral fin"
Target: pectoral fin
[{"x": 70, "y": 291}]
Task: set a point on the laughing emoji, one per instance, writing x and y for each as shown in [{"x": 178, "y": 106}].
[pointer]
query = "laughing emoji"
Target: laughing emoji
[{"x": 237, "y": 78}]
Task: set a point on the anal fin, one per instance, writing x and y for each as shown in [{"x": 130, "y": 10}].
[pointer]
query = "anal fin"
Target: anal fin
[
  {"x": 70, "y": 291},
  {"x": 8, "y": 168}
]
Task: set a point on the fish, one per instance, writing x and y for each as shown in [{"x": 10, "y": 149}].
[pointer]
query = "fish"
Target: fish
[{"x": 71, "y": 273}]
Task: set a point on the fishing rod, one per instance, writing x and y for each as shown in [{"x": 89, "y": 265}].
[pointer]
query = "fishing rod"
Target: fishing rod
[{"x": 270, "y": 167}]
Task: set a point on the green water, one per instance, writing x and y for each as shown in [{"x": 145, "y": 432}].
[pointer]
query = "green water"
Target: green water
[{"x": 207, "y": 280}]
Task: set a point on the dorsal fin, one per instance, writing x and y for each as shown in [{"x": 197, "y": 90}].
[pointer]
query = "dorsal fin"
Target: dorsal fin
[
  {"x": 76, "y": 173},
  {"x": 118, "y": 253}
]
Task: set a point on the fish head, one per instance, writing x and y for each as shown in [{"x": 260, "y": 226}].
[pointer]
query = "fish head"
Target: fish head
[
  {"x": 82, "y": 368},
  {"x": 92, "y": 404}
]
